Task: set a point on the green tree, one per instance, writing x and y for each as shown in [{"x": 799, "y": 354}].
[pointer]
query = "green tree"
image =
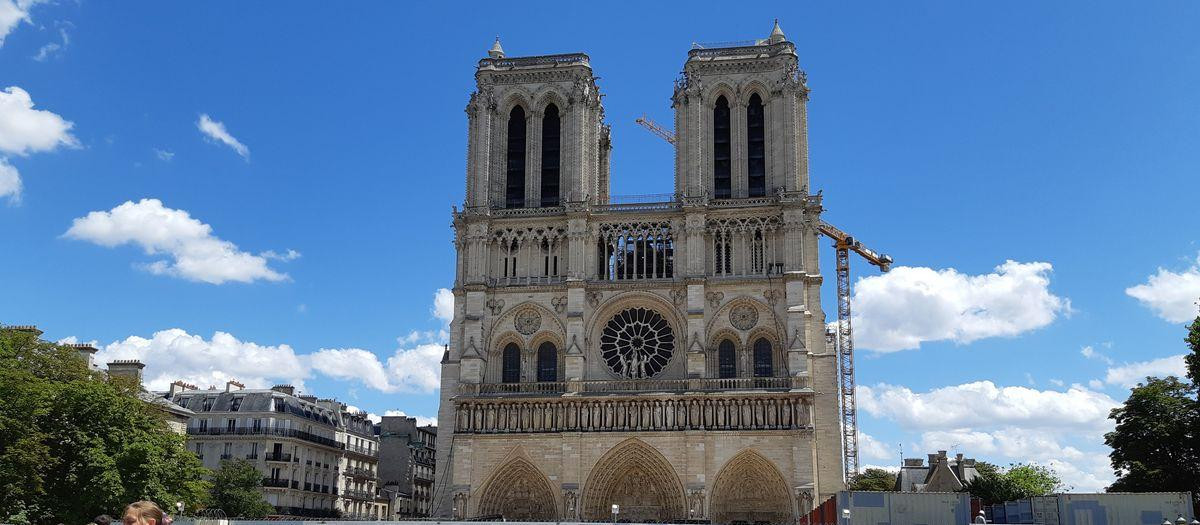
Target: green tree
[
  {"x": 874, "y": 479},
  {"x": 1192, "y": 360},
  {"x": 1156, "y": 441},
  {"x": 74, "y": 444},
  {"x": 1018, "y": 481},
  {"x": 236, "y": 490}
]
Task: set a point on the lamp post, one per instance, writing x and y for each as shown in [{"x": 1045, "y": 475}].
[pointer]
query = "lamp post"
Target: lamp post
[
  {"x": 846, "y": 516},
  {"x": 179, "y": 508},
  {"x": 616, "y": 509}
]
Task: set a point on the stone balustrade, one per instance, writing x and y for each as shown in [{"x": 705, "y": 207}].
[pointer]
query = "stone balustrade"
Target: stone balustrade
[{"x": 748, "y": 411}]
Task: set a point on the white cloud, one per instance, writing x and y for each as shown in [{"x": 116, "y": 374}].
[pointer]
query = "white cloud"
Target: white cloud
[
  {"x": 175, "y": 354},
  {"x": 1080, "y": 470},
  {"x": 71, "y": 340},
  {"x": 53, "y": 48},
  {"x": 1092, "y": 353},
  {"x": 289, "y": 255},
  {"x": 1057, "y": 382},
  {"x": 24, "y": 130},
  {"x": 1130, "y": 374},
  {"x": 10, "y": 182},
  {"x": 443, "y": 305},
  {"x": 352, "y": 364},
  {"x": 195, "y": 253},
  {"x": 164, "y": 155},
  {"x": 216, "y": 131},
  {"x": 1095, "y": 384},
  {"x": 907, "y": 306},
  {"x": 417, "y": 368},
  {"x": 13, "y": 12},
  {"x": 871, "y": 448},
  {"x": 1172, "y": 295},
  {"x": 983, "y": 403},
  {"x": 421, "y": 420}
]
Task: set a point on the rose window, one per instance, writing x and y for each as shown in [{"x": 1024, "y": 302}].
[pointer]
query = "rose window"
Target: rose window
[{"x": 637, "y": 343}]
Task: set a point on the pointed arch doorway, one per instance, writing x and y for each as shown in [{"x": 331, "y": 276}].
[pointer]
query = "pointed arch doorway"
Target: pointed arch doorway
[{"x": 639, "y": 479}]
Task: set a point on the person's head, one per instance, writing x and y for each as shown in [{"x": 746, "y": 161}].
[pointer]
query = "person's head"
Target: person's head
[
  {"x": 103, "y": 519},
  {"x": 142, "y": 513}
]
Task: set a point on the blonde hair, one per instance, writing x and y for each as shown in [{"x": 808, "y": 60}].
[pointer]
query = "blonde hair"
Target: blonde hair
[{"x": 146, "y": 510}]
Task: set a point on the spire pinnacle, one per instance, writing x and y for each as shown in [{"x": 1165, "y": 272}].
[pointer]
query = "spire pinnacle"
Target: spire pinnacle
[
  {"x": 496, "y": 51},
  {"x": 776, "y": 34}
]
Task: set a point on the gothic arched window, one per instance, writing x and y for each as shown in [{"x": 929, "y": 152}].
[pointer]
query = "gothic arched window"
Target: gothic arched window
[
  {"x": 722, "y": 178},
  {"x": 514, "y": 187},
  {"x": 550, "y": 156},
  {"x": 547, "y": 362},
  {"x": 726, "y": 360},
  {"x": 512, "y": 364},
  {"x": 756, "y": 147},
  {"x": 762, "y": 358}
]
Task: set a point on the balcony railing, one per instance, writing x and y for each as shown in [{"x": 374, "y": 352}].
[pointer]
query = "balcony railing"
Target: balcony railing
[
  {"x": 268, "y": 431},
  {"x": 362, "y": 450},
  {"x": 631, "y": 385},
  {"x": 357, "y": 472},
  {"x": 278, "y": 456},
  {"x": 308, "y": 513},
  {"x": 275, "y": 483},
  {"x": 358, "y": 494},
  {"x": 226, "y": 457},
  {"x": 251, "y": 456}
]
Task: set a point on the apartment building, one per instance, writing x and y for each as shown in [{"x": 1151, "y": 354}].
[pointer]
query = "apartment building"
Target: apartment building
[{"x": 406, "y": 461}]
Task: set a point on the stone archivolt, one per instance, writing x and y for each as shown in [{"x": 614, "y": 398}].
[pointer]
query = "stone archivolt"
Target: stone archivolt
[
  {"x": 517, "y": 490},
  {"x": 750, "y": 489},
  {"x": 639, "y": 479}
]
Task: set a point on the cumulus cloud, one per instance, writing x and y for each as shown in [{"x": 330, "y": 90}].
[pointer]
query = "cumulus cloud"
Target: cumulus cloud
[
  {"x": 414, "y": 368},
  {"x": 194, "y": 252},
  {"x": 871, "y": 448},
  {"x": 1171, "y": 295},
  {"x": 1130, "y": 374},
  {"x": 164, "y": 155},
  {"x": 12, "y": 13},
  {"x": 10, "y": 182},
  {"x": 907, "y": 306},
  {"x": 421, "y": 420},
  {"x": 215, "y": 130},
  {"x": 353, "y": 364},
  {"x": 1080, "y": 470},
  {"x": 983, "y": 403},
  {"x": 175, "y": 354},
  {"x": 443, "y": 305},
  {"x": 24, "y": 130}
]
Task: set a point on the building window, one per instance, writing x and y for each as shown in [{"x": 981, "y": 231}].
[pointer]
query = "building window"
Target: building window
[
  {"x": 726, "y": 360},
  {"x": 722, "y": 179},
  {"x": 235, "y": 404},
  {"x": 230, "y": 424},
  {"x": 550, "y": 156},
  {"x": 756, "y": 147},
  {"x": 762, "y": 358},
  {"x": 514, "y": 188},
  {"x": 208, "y": 403},
  {"x": 512, "y": 364},
  {"x": 547, "y": 360}
]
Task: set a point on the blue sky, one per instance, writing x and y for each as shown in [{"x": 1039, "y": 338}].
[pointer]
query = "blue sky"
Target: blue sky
[{"x": 307, "y": 231}]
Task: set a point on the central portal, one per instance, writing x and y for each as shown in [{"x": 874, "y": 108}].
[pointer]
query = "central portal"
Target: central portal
[{"x": 638, "y": 479}]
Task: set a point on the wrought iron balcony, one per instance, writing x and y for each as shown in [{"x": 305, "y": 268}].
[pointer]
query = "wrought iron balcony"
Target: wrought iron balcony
[
  {"x": 268, "y": 431},
  {"x": 278, "y": 456},
  {"x": 275, "y": 483}
]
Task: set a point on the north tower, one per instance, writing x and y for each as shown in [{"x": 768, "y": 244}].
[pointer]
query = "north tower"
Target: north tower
[{"x": 668, "y": 356}]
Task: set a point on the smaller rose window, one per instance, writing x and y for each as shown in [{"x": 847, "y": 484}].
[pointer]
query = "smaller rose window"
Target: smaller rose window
[{"x": 743, "y": 317}]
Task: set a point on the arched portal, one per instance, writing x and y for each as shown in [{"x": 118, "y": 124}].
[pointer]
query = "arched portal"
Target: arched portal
[
  {"x": 518, "y": 491},
  {"x": 639, "y": 479},
  {"x": 750, "y": 489}
]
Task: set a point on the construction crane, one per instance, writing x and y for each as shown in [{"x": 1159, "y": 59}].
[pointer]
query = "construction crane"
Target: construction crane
[
  {"x": 654, "y": 128},
  {"x": 843, "y": 244}
]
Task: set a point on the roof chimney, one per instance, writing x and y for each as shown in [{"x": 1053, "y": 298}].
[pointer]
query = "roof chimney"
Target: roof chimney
[
  {"x": 232, "y": 385},
  {"x": 87, "y": 352},
  {"x": 179, "y": 387},
  {"x": 285, "y": 389},
  {"x": 29, "y": 328},
  {"x": 127, "y": 368}
]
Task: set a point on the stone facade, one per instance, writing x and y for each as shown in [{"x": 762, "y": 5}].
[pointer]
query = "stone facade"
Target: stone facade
[
  {"x": 317, "y": 459},
  {"x": 406, "y": 461},
  {"x": 667, "y": 355}
]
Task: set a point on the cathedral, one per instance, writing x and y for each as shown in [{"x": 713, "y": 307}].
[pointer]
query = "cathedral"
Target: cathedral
[{"x": 663, "y": 358}]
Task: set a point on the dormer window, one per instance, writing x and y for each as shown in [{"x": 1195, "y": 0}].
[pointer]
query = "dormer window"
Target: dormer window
[{"x": 236, "y": 404}]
